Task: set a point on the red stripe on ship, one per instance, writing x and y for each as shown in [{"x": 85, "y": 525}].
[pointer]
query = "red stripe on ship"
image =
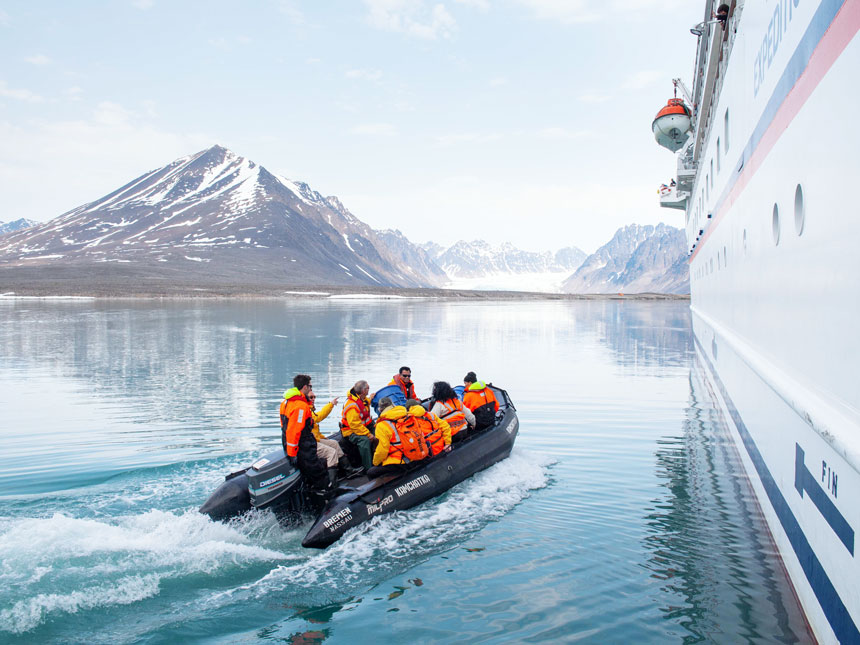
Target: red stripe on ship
[{"x": 841, "y": 31}]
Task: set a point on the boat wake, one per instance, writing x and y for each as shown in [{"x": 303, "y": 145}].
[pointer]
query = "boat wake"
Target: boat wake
[
  {"x": 53, "y": 569},
  {"x": 390, "y": 544}
]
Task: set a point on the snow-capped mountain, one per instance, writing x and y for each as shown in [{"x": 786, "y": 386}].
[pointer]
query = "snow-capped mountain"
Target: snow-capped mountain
[
  {"x": 16, "y": 225},
  {"x": 223, "y": 217},
  {"x": 638, "y": 259},
  {"x": 478, "y": 259}
]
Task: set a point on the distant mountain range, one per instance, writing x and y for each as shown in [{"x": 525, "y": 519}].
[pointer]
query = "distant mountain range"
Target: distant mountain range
[
  {"x": 221, "y": 217},
  {"x": 217, "y": 218},
  {"x": 17, "y": 225},
  {"x": 637, "y": 259},
  {"x": 479, "y": 259}
]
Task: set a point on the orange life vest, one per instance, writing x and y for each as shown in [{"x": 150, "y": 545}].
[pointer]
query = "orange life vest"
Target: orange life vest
[
  {"x": 363, "y": 412},
  {"x": 408, "y": 390},
  {"x": 452, "y": 412},
  {"x": 407, "y": 440},
  {"x": 295, "y": 412},
  {"x": 431, "y": 430},
  {"x": 474, "y": 399}
]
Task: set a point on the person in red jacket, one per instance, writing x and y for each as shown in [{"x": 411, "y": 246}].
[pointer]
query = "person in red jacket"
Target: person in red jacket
[
  {"x": 480, "y": 400},
  {"x": 297, "y": 423},
  {"x": 403, "y": 379}
]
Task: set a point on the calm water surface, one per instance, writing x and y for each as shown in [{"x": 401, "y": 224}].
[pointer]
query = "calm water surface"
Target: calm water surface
[{"x": 621, "y": 516}]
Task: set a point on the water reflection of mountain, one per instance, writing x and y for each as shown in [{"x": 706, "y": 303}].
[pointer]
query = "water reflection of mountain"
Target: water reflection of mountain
[
  {"x": 656, "y": 334},
  {"x": 226, "y": 363},
  {"x": 710, "y": 550}
]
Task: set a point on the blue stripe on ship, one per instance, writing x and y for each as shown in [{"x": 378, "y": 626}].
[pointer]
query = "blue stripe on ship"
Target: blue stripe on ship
[
  {"x": 798, "y": 63},
  {"x": 834, "y": 609}
]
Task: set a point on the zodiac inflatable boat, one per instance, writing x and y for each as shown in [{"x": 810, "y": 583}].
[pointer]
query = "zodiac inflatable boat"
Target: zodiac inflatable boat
[{"x": 273, "y": 483}]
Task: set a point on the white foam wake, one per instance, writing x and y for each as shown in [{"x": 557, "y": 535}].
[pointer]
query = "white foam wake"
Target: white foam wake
[
  {"x": 30, "y": 612},
  {"x": 395, "y": 542},
  {"x": 42, "y": 559}
]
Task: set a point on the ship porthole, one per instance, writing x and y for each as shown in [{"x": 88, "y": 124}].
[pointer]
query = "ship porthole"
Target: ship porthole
[
  {"x": 799, "y": 213},
  {"x": 775, "y": 224}
]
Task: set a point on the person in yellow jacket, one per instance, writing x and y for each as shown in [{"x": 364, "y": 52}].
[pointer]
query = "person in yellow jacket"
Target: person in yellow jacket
[
  {"x": 390, "y": 456},
  {"x": 328, "y": 450},
  {"x": 356, "y": 424}
]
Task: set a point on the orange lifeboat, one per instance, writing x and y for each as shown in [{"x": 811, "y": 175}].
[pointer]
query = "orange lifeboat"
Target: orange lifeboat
[{"x": 671, "y": 126}]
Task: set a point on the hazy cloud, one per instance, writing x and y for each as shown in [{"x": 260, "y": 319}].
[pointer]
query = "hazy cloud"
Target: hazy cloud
[
  {"x": 19, "y": 94},
  {"x": 594, "y": 96},
  {"x": 498, "y": 81},
  {"x": 375, "y": 129},
  {"x": 467, "y": 137},
  {"x": 39, "y": 59},
  {"x": 483, "y": 5},
  {"x": 143, "y": 4},
  {"x": 563, "y": 133},
  {"x": 567, "y": 11},
  {"x": 74, "y": 93},
  {"x": 643, "y": 79},
  {"x": 412, "y": 17},
  {"x": 292, "y": 12},
  {"x": 364, "y": 74}
]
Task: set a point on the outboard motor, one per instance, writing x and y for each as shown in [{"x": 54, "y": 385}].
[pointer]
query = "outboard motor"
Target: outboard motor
[
  {"x": 230, "y": 499},
  {"x": 271, "y": 482}
]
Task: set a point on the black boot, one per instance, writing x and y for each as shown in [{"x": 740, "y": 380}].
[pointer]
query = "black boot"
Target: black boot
[{"x": 347, "y": 468}]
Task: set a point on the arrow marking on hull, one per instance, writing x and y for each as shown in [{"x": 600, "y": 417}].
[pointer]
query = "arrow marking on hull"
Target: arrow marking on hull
[{"x": 805, "y": 481}]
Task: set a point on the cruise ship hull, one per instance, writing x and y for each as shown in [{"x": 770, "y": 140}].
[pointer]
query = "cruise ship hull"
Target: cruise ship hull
[{"x": 771, "y": 227}]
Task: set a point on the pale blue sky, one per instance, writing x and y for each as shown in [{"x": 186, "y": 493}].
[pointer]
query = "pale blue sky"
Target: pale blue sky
[{"x": 526, "y": 121}]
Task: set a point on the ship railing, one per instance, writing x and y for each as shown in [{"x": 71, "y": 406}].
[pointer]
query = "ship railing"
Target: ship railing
[{"x": 715, "y": 44}]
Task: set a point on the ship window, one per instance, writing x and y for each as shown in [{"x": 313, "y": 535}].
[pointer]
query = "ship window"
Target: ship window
[
  {"x": 745, "y": 241},
  {"x": 718, "y": 154},
  {"x": 775, "y": 224},
  {"x": 726, "y": 133},
  {"x": 799, "y": 213}
]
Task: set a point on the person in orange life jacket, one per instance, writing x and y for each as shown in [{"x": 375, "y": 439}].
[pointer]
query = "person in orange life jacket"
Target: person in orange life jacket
[
  {"x": 403, "y": 379},
  {"x": 447, "y": 406},
  {"x": 396, "y": 442},
  {"x": 329, "y": 450},
  {"x": 297, "y": 437},
  {"x": 480, "y": 400},
  {"x": 436, "y": 430},
  {"x": 356, "y": 424}
]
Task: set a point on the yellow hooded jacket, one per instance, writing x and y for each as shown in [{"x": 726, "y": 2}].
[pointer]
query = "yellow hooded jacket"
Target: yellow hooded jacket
[{"x": 384, "y": 432}]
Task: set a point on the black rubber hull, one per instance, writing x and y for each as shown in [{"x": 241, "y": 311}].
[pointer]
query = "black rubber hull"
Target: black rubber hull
[{"x": 388, "y": 494}]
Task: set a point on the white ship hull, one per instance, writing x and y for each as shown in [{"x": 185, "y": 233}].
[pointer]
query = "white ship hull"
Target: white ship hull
[{"x": 772, "y": 225}]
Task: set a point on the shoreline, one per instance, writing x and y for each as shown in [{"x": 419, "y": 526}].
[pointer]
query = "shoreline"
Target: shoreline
[
  {"x": 292, "y": 292},
  {"x": 87, "y": 281}
]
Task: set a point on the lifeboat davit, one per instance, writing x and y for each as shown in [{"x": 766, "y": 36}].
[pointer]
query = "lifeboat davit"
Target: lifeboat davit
[{"x": 671, "y": 126}]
